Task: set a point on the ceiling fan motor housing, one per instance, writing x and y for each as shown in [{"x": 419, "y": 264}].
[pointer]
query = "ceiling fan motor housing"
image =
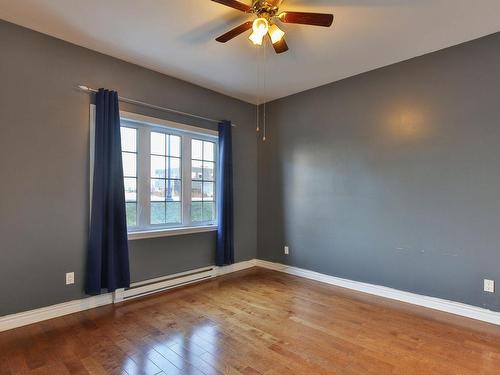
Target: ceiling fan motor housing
[{"x": 264, "y": 9}]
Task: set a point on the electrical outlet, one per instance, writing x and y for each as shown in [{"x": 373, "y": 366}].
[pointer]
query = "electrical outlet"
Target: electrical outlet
[
  {"x": 70, "y": 278},
  {"x": 286, "y": 250},
  {"x": 489, "y": 286}
]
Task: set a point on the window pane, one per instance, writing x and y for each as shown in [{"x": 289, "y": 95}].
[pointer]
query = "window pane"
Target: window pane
[
  {"x": 128, "y": 136},
  {"x": 158, "y": 143},
  {"x": 196, "y": 211},
  {"x": 208, "y": 171},
  {"x": 208, "y": 191},
  {"x": 157, "y": 189},
  {"x": 173, "y": 168},
  {"x": 196, "y": 170},
  {"x": 129, "y": 164},
  {"x": 173, "y": 213},
  {"x": 131, "y": 209},
  {"x": 157, "y": 213},
  {"x": 197, "y": 149},
  {"x": 130, "y": 189},
  {"x": 174, "y": 147},
  {"x": 208, "y": 151},
  {"x": 173, "y": 192},
  {"x": 208, "y": 211},
  {"x": 196, "y": 191},
  {"x": 157, "y": 166}
]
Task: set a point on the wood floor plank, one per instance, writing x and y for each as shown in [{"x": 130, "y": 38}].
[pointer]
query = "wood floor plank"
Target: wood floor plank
[{"x": 254, "y": 322}]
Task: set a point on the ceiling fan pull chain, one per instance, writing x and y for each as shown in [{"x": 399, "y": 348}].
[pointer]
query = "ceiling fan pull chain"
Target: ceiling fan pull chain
[
  {"x": 258, "y": 118},
  {"x": 259, "y": 62},
  {"x": 264, "y": 93}
]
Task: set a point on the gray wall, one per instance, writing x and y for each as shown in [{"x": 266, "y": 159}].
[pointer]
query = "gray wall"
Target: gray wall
[
  {"x": 44, "y": 153},
  {"x": 391, "y": 177}
]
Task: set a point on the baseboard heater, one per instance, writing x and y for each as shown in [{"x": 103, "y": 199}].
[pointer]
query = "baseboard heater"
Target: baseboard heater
[{"x": 144, "y": 288}]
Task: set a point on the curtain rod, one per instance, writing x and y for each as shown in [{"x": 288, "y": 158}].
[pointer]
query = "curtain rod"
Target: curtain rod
[{"x": 152, "y": 106}]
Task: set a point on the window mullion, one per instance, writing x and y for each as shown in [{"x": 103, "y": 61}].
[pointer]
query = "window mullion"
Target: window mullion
[
  {"x": 143, "y": 187},
  {"x": 186, "y": 180}
]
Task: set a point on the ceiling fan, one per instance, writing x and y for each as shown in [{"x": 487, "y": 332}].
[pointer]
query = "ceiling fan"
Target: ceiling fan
[{"x": 267, "y": 12}]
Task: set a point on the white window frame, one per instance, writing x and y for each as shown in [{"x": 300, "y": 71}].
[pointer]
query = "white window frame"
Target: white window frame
[{"x": 145, "y": 124}]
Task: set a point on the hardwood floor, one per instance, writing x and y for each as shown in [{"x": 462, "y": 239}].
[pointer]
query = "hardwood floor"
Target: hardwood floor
[{"x": 254, "y": 322}]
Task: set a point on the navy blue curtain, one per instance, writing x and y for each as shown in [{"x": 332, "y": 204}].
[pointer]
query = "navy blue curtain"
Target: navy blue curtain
[
  {"x": 107, "y": 261},
  {"x": 225, "y": 231}
]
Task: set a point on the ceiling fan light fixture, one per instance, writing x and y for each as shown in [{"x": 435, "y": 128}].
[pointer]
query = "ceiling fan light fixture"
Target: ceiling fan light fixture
[
  {"x": 260, "y": 26},
  {"x": 276, "y": 34},
  {"x": 256, "y": 38}
]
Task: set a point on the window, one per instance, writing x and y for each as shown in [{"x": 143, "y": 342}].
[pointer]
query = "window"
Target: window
[
  {"x": 129, "y": 159},
  {"x": 169, "y": 174},
  {"x": 166, "y": 178},
  {"x": 202, "y": 181}
]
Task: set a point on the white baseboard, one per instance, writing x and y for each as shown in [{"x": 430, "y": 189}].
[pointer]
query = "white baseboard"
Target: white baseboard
[
  {"x": 452, "y": 307},
  {"x": 144, "y": 287},
  {"x": 33, "y": 316},
  {"x": 219, "y": 271}
]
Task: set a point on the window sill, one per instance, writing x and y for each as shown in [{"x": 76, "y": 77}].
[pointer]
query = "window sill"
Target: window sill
[{"x": 170, "y": 232}]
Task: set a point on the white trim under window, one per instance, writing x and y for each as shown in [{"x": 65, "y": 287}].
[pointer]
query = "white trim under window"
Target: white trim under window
[{"x": 170, "y": 173}]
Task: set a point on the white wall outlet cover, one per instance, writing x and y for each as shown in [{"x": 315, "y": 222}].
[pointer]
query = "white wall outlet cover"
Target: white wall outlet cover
[
  {"x": 287, "y": 250},
  {"x": 489, "y": 286},
  {"x": 70, "y": 278}
]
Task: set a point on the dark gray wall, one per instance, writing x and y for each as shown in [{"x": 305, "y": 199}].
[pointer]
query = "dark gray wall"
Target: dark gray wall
[
  {"x": 44, "y": 163},
  {"x": 391, "y": 177}
]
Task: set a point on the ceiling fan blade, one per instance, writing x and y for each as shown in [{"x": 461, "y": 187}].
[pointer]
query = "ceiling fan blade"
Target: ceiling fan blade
[
  {"x": 234, "y": 4},
  {"x": 315, "y": 19},
  {"x": 280, "y": 46},
  {"x": 235, "y": 32}
]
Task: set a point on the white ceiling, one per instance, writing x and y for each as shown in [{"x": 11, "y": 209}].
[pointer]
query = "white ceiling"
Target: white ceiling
[{"x": 177, "y": 37}]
